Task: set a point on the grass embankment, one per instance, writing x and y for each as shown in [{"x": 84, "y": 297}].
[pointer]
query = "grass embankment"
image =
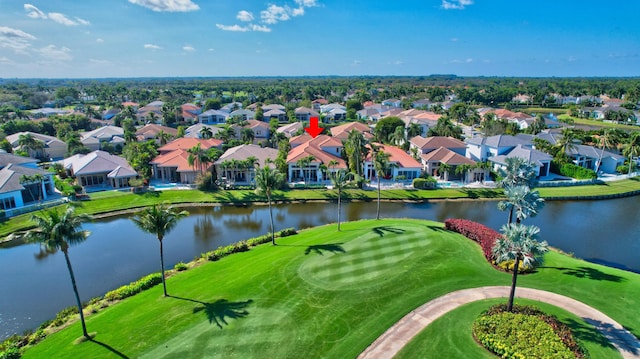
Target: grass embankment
[
  {"x": 322, "y": 293},
  {"x": 596, "y": 123},
  {"x": 114, "y": 201}
]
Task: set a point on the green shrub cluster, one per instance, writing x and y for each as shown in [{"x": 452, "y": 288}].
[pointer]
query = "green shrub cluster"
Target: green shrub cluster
[
  {"x": 132, "y": 288},
  {"x": 424, "y": 183},
  {"x": 64, "y": 315},
  {"x": 573, "y": 171},
  {"x": 10, "y": 347},
  {"x": 180, "y": 266},
  {"x": 526, "y": 332}
]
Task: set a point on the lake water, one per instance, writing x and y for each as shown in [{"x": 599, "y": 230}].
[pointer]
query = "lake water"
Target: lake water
[{"x": 35, "y": 285}]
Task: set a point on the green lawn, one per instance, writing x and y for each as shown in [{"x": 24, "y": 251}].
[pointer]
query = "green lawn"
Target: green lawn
[
  {"x": 322, "y": 294},
  {"x": 450, "y": 335},
  {"x": 596, "y": 123}
]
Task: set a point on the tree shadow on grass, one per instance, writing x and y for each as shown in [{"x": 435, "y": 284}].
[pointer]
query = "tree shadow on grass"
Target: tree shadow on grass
[
  {"x": 320, "y": 248},
  {"x": 109, "y": 348},
  {"x": 219, "y": 311},
  {"x": 589, "y": 273},
  {"x": 436, "y": 228},
  {"x": 380, "y": 231},
  {"x": 608, "y": 335}
]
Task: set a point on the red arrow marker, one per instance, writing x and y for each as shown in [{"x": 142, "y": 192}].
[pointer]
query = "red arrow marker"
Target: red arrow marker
[{"x": 313, "y": 128}]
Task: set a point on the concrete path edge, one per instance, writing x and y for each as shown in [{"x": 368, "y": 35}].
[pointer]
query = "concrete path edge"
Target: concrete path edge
[{"x": 396, "y": 337}]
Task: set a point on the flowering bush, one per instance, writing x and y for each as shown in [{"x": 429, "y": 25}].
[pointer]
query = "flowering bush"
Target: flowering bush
[{"x": 477, "y": 232}]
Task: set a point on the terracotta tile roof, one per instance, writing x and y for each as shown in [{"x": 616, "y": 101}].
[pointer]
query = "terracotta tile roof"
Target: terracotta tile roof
[
  {"x": 397, "y": 156},
  {"x": 436, "y": 142},
  {"x": 177, "y": 158},
  {"x": 151, "y": 130},
  {"x": 189, "y": 142},
  {"x": 343, "y": 130},
  {"x": 444, "y": 155},
  {"x": 427, "y": 115},
  {"x": 321, "y": 141},
  {"x": 314, "y": 147}
]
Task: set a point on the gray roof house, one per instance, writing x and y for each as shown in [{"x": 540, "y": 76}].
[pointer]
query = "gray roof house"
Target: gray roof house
[
  {"x": 212, "y": 117},
  {"x": 15, "y": 192},
  {"x": 481, "y": 148},
  {"x": 100, "y": 170},
  {"x": 106, "y": 134},
  {"x": 53, "y": 147},
  {"x": 541, "y": 159},
  {"x": 241, "y": 174},
  {"x": 588, "y": 157}
]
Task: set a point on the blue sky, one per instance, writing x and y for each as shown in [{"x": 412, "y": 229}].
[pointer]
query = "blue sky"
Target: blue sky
[{"x": 140, "y": 38}]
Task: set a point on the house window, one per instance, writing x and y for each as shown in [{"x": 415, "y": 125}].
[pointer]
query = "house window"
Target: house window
[
  {"x": 258, "y": 133},
  {"x": 8, "y": 203}
]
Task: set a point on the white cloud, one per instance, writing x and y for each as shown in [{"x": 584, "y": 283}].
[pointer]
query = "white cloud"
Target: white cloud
[
  {"x": 15, "y": 39},
  {"x": 6, "y": 61},
  {"x": 465, "y": 61},
  {"x": 188, "y": 48},
  {"x": 100, "y": 62},
  {"x": 260, "y": 28},
  {"x": 152, "y": 47},
  {"x": 274, "y": 13},
  {"x": 297, "y": 12},
  {"x": 455, "y": 4},
  {"x": 167, "y": 5},
  {"x": 99, "y": 40},
  {"x": 244, "y": 15},
  {"x": 236, "y": 28},
  {"x": 34, "y": 12},
  {"x": 53, "y": 53}
]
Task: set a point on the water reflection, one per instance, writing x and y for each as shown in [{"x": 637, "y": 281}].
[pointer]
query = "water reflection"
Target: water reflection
[
  {"x": 44, "y": 253},
  {"x": 203, "y": 228}
]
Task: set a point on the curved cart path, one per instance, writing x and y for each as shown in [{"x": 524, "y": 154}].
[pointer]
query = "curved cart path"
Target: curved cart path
[{"x": 396, "y": 337}]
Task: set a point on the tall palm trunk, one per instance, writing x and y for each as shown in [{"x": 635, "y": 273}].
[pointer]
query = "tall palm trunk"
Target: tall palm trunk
[
  {"x": 513, "y": 283},
  {"x": 378, "y": 209},
  {"x": 600, "y": 159},
  {"x": 339, "y": 195},
  {"x": 273, "y": 234},
  {"x": 510, "y": 215},
  {"x": 164, "y": 284},
  {"x": 75, "y": 291}
]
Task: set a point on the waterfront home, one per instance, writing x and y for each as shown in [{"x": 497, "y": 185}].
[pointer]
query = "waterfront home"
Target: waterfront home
[
  {"x": 481, "y": 148},
  {"x": 434, "y": 161},
  {"x": 403, "y": 166},
  {"x": 237, "y": 164},
  {"x": 172, "y": 163},
  {"x": 540, "y": 160},
  {"x": 20, "y": 183},
  {"x": 320, "y": 152},
  {"x": 588, "y": 157},
  {"x": 424, "y": 145},
  {"x": 99, "y": 170}
]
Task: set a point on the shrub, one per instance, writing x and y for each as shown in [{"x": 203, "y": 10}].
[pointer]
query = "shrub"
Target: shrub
[
  {"x": 573, "y": 171},
  {"x": 507, "y": 266},
  {"x": 132, "y": 288},
  {"x": 206, "y": 182},
  {"x": 63, "y": 316},
  {"x": 180, "y": 266},
  {"x": 477, "y": 232},
  {"x": 11, "y": 352},
  {"x": 37, "y": 336},
  {"x": 221, "y": 252},
  {"x": 259, "y": 240},
  {"x": 526, "y": 332},
  {"x": 424, "y": 183},
  {"x": 286, "y": 232}
]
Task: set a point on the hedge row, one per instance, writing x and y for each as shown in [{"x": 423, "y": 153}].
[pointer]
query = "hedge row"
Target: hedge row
[
  {"x": 477, "y": 232},
  {"x": 133, "y": 288},
  {"x": 573, "y": 171},
  {"x": 243, "y": 246},
  {"x": 424, "y": 183}
]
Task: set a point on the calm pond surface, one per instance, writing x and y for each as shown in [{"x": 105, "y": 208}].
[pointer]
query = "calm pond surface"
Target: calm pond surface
[{"x": 35, "y": 285}]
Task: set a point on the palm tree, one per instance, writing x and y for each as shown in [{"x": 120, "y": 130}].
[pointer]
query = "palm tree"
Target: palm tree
[
  {"x": 57, "y": 230},
  {"x": 518, "y": 243},
  {"x": 356, "y": 150},
  {"x": 247, "y": 135},
  {"x": 206, "y": 132},
  {"x": 632, "y": 149},
  {"x": 267, "y": 180},
  {"x": 517, "y": 171},
  {"x": 163, "y": 138},
  {"x": 414, "y": 130},
  {"x": 382, "y": 165},
  {"x": 397, "y": 137},
  {"x": 159, "y": 219},
  {"x": 443, "y": 170},
  {"x": 303, "y": 164},
  {"x": 521, "y": 200},
  {"x": 339, "y": 180},
  {"x": 30, "y": 144},
  {"x": 463, "y": 170},
  {"x": 195, "y": 155},
  {"x": 567, "y": 142},
  {"x": 606, "y": 140}
]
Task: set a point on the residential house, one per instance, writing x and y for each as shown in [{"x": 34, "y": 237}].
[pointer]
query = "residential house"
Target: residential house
[
  {"x": 230, "y": 107},
  {"x": 521, "y": 119},
  {"x": 392, "y": 102},
  {"x": 15, "y": 190},
  {"x": 110, "y": 113},
  {"x": 243, "y": 114},
  {"x": 481, "y": 148},
  {"x": 290, "y": 130},
  {"x": 196, "y": 130},
  {"x": 333, "y": 112},
  {"x": 422, "y": 145},
  {"x": 541, "y": 160},
  {"x": 152, "y": 130},
  {"x": 99, "y": 170},
  {"x": 172, "y": 163},
  {"x": 273, "y": 106},
  {"x": 341, "y": 132},
  {"x": 261, "y": 130},
  {"x": 53, "y": 148},
  {"x": 433, "y": 161},
  {"x": 47, "y": 112},
  {"x": 317, "y": 103},
  {"x": 322, "y": 150},
  {"x": 152, "y": 112},
  {"x": 402, "y": 164},
  {"x": 588, "y": 157},
  {"x": 273, "y": 114},
  {"x": 229, "y": 169},
  {"x": 372, "y": 112},
  {"x": 424, "y": 119},
  {"x": 213, "y": 117},
  {"x": 190, "y": 112},
  {"x": 107, "y": 134},
  {"x": 423, "y": 104},
  {"x": 304, "y": 114}
]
